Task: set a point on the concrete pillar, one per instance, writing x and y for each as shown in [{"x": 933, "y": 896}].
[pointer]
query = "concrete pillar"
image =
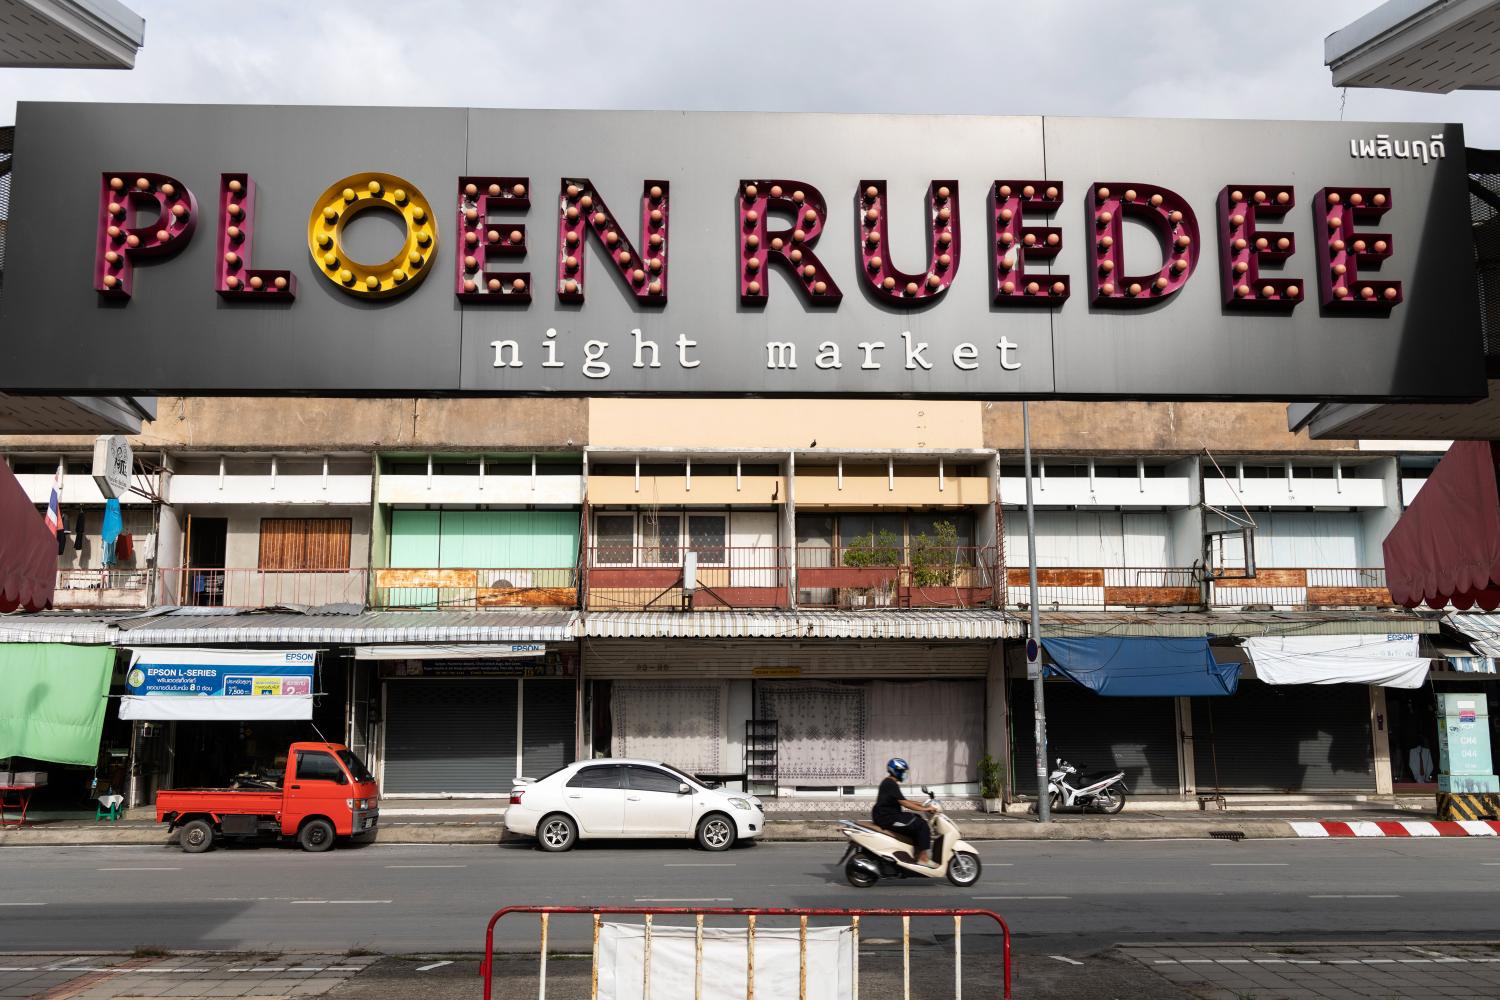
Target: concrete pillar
[
  {"x": 789, "y": 528},
  {"x": 997, "y": 714},
  {"x": 1380, "y": 740},
  {"x": 1377, "y": 522},
  {"x": 1187, "y": 773}
]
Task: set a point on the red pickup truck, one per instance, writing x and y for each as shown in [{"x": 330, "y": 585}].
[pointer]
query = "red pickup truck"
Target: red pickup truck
[{"x": 326, "y": 792}]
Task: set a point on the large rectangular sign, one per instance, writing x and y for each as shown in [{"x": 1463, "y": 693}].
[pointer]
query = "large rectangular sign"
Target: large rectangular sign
[
  {"x": 159, "y": 248},
  {"x": 228, "y": 684}
]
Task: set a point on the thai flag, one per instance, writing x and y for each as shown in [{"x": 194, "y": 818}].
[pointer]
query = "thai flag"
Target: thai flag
[{"x": 54, "y": 516}]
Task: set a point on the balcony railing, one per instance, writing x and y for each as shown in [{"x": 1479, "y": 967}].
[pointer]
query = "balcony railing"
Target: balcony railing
[
  {"x": 90, "y": 589},
  {"x": 1310, "y": 588},
  {"x": 475, "y": 588},
  {"x": 626, "y": 577},
  {"x": 875, "y": 575},
  {"x": 1099, "y": 588},
  {"x": 1102, "y": 587},
  {"x": 260, "y": 588}
]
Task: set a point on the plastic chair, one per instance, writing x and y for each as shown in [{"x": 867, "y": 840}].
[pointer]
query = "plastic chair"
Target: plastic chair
[{"x": 108, "y": 807}]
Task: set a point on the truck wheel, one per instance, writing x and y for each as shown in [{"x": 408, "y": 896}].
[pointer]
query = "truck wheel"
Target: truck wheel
[
  {"x": 316, "y": 836},
  {"x": 196, "y": 836}
]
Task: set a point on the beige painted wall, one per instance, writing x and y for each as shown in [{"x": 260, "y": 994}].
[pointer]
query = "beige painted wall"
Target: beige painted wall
[
  {"x": 1168, "y": 428},
  {"x": 328, "y": 425},
  {"x": 734, "y": 424},
  {"x": 674, "y": 490}
]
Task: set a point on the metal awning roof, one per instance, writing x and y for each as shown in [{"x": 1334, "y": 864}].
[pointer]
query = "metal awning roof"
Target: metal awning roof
[
  {"x": 1482, "y": 631},
  {"x": 1431, "y": 46},
  {"x": 1242, "y": 624},
  {"x": 368, "y": 628},
  {"x": 884, "y": 624},
  {"x": 56, "y": 628}
]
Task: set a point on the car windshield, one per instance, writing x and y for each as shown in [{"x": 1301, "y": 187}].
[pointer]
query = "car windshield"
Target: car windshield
[
  {"x": 357, "y": 769},
  {"x": 680, "y": 773}
]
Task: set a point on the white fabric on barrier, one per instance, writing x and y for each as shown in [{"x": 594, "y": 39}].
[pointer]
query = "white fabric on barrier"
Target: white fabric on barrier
[
  {"x": 452, "y": 651},
  {"x": 1387, "y": 660},
  {"x": 158, "y": 708},
  {"x": 830, "y": 962}
]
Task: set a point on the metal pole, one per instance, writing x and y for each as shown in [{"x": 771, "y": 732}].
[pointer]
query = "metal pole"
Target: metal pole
[{"x": 1038, "y": 695}]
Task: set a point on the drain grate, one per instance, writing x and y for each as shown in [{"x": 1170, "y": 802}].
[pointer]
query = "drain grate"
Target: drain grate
[{"x": 1234, "y": 835}]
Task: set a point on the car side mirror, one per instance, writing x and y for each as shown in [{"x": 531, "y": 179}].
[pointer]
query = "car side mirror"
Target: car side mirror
[{"x": 684, "y": 788}]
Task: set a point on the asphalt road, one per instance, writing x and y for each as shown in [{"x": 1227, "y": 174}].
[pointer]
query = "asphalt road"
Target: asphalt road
[{"x": 1061, "y": 898}]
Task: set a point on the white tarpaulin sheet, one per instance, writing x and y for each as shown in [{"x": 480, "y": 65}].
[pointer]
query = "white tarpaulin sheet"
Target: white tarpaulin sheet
[
  {"x": 830, "y": 962},
  {"x": 1386, "y": 660},
  {"x": 451, "y": 651}
]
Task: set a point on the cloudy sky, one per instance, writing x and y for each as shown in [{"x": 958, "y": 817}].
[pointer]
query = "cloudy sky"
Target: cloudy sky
[{"x": 1199, "y": 58}]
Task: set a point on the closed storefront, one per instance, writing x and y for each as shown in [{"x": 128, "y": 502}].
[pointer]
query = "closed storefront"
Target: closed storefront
[
  {"x": 837, "y": 709},
  {"x": 1134, "y": 735},
  {"x": 470, "y": 727},
  {"x": 1284, "y": 738}
]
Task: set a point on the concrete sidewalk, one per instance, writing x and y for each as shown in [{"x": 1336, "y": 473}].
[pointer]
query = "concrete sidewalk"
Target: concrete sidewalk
[{"x": 436, "y": 826}]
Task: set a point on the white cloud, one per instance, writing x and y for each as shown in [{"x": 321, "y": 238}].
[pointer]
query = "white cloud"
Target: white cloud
[{"x": 1149, "y": 58}]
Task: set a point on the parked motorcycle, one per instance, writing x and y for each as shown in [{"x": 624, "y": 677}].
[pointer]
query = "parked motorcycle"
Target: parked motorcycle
[
  {"x": 1070, "y": 788},
  {"x": 875, "y": 853}
]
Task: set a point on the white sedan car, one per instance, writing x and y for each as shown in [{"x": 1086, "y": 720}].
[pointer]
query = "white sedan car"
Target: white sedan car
[{"x": 629, "y": 798}]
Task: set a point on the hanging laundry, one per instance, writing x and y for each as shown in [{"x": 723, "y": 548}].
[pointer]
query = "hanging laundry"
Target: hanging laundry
[
  {"x": 78, "y": 532},
  {"x": 124, "y": 547}
]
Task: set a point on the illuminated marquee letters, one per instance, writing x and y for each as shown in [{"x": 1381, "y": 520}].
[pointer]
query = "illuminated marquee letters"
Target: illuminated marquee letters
[
  {"x": 1015, "y": 242},
  {"x": 582, "y": 212},
  {"x": 1341, "y": 250},
  {"x": 1243, "y": 247},
  {"x": 786, "y": 248},
  {"x": 485, "y": 240},
  {"x": 359, "y": 193},
  {"x": 234, "y": 278},
  {"x": 1163, "y": 211},
  {"x": 873, "y": 237},
  {"x": 120, "y": 243}
]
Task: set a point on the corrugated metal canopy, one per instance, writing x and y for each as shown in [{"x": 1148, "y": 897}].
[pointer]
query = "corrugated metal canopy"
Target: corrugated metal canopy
[
  {"x": 1236, "y": 623},
  {"x": 1483, "y": 631},
  {"x": 55, "y": 628},
  {"x": 888, "y": 624},
  {"x": 365, "y": 629}
]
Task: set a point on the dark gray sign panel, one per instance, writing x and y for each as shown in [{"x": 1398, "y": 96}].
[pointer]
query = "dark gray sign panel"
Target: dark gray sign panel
[{"x": 965, "y": 257}]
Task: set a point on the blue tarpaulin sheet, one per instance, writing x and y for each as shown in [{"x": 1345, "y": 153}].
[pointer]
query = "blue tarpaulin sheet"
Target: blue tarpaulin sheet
[{"x": 1142, "y": 666}]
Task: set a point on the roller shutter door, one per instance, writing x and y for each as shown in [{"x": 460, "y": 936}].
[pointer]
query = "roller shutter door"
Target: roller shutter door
[
  {"x": 450, "y": 736},
  {"x": 1284, "y": 738},
  {"x": 1134, "y": 735},
  {"x": 547, "y": 726}
]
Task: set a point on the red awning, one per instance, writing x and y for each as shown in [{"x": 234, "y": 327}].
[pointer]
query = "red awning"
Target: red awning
[
  {"x": 1446, "y": 547},
  {"x": 28, "y": 551}
]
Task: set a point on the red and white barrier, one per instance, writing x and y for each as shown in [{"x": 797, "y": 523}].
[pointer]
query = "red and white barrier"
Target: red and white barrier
[{"x": 1399, "y": 828}]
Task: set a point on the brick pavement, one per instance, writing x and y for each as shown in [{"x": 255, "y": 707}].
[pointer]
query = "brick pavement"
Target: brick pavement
[
  {"x": 1327, "y": 972},
  {"x": 117, "y": 977}
]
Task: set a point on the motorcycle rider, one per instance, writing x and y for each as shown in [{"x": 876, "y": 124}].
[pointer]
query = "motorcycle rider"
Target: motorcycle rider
[{"x": 887, "y": 813}]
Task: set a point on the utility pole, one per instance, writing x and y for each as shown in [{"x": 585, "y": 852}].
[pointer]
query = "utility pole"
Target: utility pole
[{"x": 1038, "y": 695}]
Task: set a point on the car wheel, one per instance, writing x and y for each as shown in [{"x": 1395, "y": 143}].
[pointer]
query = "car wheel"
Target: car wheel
[
  {"x": 963, "y": 869},
  {"x": 557, "y": 833},
  {"x": 196, "y": 836},
  {"x": 716, "y": 832},
  {"x": 316, "y": 836}
]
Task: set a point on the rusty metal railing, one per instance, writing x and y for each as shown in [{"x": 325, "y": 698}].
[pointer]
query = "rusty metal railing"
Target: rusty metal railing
[{"x": 598, "y": 913}]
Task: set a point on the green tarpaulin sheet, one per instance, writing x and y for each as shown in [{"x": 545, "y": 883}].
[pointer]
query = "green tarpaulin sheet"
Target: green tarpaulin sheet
[{"x": 52, "y": 701}]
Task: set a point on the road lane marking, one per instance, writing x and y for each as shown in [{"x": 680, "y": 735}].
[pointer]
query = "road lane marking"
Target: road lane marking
[
  {"x": 337, "y": 902},
  {"x": 1064, "y": 958},
  {"x": 731, "y": 865},
  {"x": 715, "y": 899},
  {"x": 23, "y": 904},
  {"x": 1249, "y": 864},
  {"x": 434, "y": 965},
  {"x": 427, "y": 866},
  {"x": 1382, "y": 895},
  {"x": 136, "y": 869},
  {"x": 1019, "y": 897}
]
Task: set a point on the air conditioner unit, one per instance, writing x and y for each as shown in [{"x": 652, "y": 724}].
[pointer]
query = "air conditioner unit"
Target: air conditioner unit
[{"x": 510, "y": 579}]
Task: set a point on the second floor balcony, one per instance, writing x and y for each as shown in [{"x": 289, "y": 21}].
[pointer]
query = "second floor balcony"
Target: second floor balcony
[
  {"x": 102, "y": 589},
  {"x": 1114, "y": 587},
  {"x": 475, "y": 589},
  {"x": 214, "y": 587},
  {"x": 658, "y": 577}
]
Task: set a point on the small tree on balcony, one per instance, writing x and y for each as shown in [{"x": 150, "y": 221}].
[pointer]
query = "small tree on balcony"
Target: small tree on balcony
[
  {"x": 883, "y": 549},
  {"x": 935, "y": 557}
]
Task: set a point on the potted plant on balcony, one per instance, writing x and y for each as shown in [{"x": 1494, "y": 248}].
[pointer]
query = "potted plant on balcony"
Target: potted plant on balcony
[
  {"x": 935, "y": 557},
  {"x": 991, "y": 784},
  {"x": 876, "y": 551}
]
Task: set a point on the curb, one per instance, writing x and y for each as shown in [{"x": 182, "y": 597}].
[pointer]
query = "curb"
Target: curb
[{"x": 814, "y": 831}]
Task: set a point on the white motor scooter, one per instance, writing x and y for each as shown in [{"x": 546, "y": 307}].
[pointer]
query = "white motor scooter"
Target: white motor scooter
[{"x": 875, "y": 853}]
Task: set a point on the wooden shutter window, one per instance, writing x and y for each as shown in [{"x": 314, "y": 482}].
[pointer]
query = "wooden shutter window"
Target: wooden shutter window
[{"x": 305, "y": 543}]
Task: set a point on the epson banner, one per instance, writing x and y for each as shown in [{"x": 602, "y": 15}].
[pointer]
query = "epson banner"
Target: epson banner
[
  {"x": 272, "y": 250},
  {"x": 228, "y": 684}
]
